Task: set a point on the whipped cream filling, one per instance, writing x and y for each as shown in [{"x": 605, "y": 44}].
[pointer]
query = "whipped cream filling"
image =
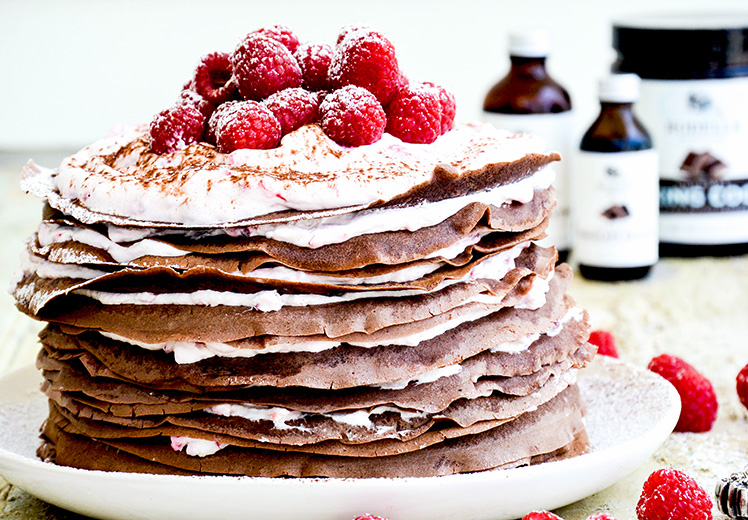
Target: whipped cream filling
[
  {"x": 50, "y": 233},
  {"x": 426, "y": 377},
  {"x": 280, "y": 417},
  {"x": 523, "y": 343},
  {"x": 492, "y": 268},
  {"x": 119, "y": 175},
  {"x": 196, "y": 447},
  {"x": 186, "y": 352},
  {"x": 314, "y": 233}
]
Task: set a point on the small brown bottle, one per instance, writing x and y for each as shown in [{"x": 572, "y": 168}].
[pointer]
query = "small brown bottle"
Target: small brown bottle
[
  {"x": 616, "y": 189},
  {"x": 528, "y": 100}
]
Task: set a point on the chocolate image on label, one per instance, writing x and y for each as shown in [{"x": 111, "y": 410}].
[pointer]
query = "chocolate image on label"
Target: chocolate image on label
[
  {"x": 616, "y": 212},
  {"x": 703, "y": 166}
]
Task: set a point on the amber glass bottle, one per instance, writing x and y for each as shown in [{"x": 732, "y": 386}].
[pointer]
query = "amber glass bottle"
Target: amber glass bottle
[
  {"x": 527, "y": 99},
  {"x": 616, "y": 190}
]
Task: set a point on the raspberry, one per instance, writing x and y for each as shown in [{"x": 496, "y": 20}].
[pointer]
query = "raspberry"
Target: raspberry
[
  {"x": 314, "y": 61},
  {"x": 414, "y": 115},
  {"x": 600, "y": 516},
  {"x": 742, "y": 385},
  {"x": 698, "y": 400},
  {"x": 448, "y": 106},
  {"x": 367, "y": 59},
  {"x": 218, "y": 113},
  {"x": 352, "y": 116},
  {"x": 541, "y": 515},
  {"x": 176, "y": 128},
  {"x": 369, "y": 517},
  {"x": 247, "y": 124},
  {"x": 670, "y": 494},
  {"x": 294, "y": 108},
  {"x": 350, "y": 28},
  {"x": 606, "y": 343},
  {"x": 262, "y": 67},
  {"x": 214, "y": 78},
  {"x": 190, "y": 97},
  {"x": 281, "y": 34}
]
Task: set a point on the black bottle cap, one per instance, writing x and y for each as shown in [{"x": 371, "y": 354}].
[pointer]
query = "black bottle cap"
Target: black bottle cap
[{"x": 683, "y": 47}]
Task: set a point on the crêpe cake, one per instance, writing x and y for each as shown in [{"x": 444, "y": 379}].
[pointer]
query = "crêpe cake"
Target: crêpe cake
[{"x": 309, "y": 310}]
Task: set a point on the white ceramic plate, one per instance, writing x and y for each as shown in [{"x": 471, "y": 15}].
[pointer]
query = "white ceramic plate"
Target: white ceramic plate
[{"x": 630, "y": 413}]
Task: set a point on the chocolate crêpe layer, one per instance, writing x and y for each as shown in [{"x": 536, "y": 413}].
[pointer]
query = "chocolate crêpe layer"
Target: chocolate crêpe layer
[{"x": 420, "y": 332}]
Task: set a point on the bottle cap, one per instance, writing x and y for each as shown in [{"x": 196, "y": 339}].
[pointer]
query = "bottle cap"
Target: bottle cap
[
  {"x": 534, "y": 43},
  {"x": 619, "y": 88}
]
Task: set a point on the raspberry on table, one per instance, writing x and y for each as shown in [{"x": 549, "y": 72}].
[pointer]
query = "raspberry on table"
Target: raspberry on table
[
  {"x": 214, "y": 78},
  {"x": 352, "y": 116},
  {"x": 281, "y": 34},
  {"x": 698, "y": 400},
  {"x": 294, "y": 108},
  {"x": 541, "y": 515},
  {"x": 366, "y": 58},
  {"x": 670, "y": 494},
  {"x": 741, "y": 385},
  {"x": 247, "y": 124},
  {"x": 176, "y": 128},
  {"x": 414, "y": 115},
  {"x": 262, "y": 67},
  {"x": 314, "y": 60},
  {"x": 448, "y": 106},
  {"x": 605, "y": 342}
]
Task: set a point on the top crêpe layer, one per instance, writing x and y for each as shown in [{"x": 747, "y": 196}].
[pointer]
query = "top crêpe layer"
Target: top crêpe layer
[{"x": 122, "y": 181}]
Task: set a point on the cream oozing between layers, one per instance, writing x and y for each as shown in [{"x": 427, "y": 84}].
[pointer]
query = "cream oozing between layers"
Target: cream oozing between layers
[{"x": 198, "y": 186}]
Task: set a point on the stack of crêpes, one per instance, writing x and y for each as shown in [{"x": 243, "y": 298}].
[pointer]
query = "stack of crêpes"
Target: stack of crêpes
[{"x": 309, "y": 310}]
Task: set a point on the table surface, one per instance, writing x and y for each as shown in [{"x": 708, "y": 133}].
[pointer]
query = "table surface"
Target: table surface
[{"x": 692, "y": 308}]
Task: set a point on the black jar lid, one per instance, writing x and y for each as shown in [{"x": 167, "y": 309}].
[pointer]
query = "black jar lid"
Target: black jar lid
[{"x": 683, "y": 46}]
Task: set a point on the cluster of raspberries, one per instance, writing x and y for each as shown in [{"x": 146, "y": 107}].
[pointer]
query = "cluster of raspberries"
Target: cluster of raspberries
[{"x": 272, "y": 84}]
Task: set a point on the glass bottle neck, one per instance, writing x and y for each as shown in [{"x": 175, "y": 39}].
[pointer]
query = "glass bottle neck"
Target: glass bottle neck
[{"x": 533, "y": 67}]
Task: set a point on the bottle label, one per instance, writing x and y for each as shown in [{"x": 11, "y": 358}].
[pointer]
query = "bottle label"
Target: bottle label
[
  {"x": 556, "y": 131},
  {"x": 700, "y": 129},
  {"x": 615, "y": 207}
]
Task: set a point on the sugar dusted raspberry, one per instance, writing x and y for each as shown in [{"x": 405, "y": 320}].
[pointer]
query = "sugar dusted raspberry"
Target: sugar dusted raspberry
[
  {"x": 671, "y": 494},
  {"x": 214, "y": 78},
  {"x": 698, "y": 400},
  {"x": 352, "y": 27},
  {"x": 352, "y": 116},
  {"x": 741, "y": 383},
  {"x": 262, "y": 67},
  {"x": 215, "y": 117},
  {"x": 600, "y": 516},
  {"x": 448, "y": 106},
  {"x": 606, "y": 343},
  {"x": 541, "y": 515},
  {"x": 281, "y": 34},
  {"x": 369, "y": 517},
  {"x": 247, "y": 124},
  {"x": 314, "y": 61},
  {"x": 176, "y": 128},
  {"x": 190, "y": 97},
  {"x": 367, "y": 59},
  {"x": 414, "y": 115},
  {"x": 294, "y": 108}
]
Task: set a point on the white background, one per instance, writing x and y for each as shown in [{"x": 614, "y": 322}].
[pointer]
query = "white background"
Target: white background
[{"x": 72, "y": 70}]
